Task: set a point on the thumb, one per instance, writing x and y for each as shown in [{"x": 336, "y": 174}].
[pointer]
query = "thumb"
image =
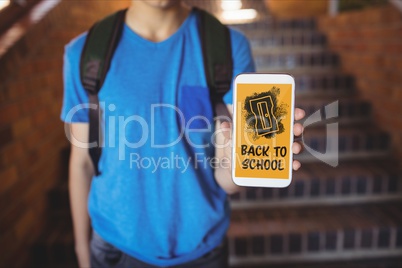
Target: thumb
[{"x": 226, "y": 130}]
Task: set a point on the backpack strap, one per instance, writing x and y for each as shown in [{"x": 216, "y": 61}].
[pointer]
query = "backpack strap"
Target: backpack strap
[
  {"x": 96, "y": 56},
  {"x": 218, "y": 63}
]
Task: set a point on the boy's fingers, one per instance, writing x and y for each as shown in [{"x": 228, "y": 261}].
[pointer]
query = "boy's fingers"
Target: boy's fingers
[
  {"x": 296, "y": 165},
  {"x": 297, "y": 129},
  {"x": 299, "y": 114},
  {"x": 296, "y": 148},
  {"x": 226, "y": 129}
]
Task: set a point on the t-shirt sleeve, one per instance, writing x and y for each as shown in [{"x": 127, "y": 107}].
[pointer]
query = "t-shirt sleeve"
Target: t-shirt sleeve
[
  {"x": 75, "y": 99},
  {"x": 243, "y": 61}
]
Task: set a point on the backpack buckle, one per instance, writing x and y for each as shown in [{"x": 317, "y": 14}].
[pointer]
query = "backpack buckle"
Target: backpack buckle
[{"x": 90, "y": 81}]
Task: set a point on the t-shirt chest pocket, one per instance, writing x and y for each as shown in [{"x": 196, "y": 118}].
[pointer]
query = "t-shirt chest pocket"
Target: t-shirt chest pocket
[{"x": 194, "y": 108}]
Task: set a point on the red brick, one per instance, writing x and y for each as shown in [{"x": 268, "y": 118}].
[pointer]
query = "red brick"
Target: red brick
[
  {"x": 8, "y": 177},
  {"x": 40, "y": 117},
  {"x": 3, "y": 94},
  {"x": 13, "y": 90},
  {"x": 22, "y": 126},
  {"x": 25, "y": 224},
  {"x": 10, "y": 153},
  {"x": 9, "y": 113},
  {"x": 6, "y": 136}
]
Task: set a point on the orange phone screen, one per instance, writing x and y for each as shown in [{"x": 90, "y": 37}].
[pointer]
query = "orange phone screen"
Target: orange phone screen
[{"x": 263, "y": 130}]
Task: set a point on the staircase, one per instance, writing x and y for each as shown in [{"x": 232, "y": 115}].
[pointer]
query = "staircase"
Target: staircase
[{"x": 344, "y": 216}]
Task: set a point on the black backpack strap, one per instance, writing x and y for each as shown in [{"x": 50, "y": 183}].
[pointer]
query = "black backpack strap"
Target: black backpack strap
[
  {"x": 218, "y": 63},
  {"x": 96, "y": 56}
]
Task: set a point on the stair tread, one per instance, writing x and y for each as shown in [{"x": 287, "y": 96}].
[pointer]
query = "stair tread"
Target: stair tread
[
  {"x": 299, "y": 71},
  {"x": 323, "y": 84},
  {"x": 383, "y": 166},
  {"x": 277, "y": 50},
  {"x": 289, "y": 33},
  {"x": 344, "y": 131},
  {"x": 347, "y": 106},
  {"x": 315, "y": 219},
  {"x": 373, "y": 262},
  {"x": 303, "y": 52},
  {"x": 319, "y": 184},
  {"x": 352, "y": 141},
  {"x": 270, "y": 23}
]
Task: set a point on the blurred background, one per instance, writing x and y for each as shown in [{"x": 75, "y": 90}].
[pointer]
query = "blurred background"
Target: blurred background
[{"x": 348, "y": 51}]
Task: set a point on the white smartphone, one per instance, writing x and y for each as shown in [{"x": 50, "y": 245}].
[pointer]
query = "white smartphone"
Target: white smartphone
[{"x": 263, "y": 115}]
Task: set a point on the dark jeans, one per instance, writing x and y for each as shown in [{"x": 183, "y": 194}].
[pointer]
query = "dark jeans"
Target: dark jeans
[{"x": 104, "y": 255}]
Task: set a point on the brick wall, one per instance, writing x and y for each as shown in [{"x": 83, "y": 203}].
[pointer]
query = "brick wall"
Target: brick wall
[
  {"x": 369, "y": 43},
  {"x": 32, "y": 138}
]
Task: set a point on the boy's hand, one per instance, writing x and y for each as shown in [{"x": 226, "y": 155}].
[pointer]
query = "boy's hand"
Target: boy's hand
[{"x": 297, "y": 131}]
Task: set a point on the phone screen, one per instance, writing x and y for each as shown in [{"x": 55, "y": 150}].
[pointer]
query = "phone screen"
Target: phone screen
[{"x": 264, "y": 131}]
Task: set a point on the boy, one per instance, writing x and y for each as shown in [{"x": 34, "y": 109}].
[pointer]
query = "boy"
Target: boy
[{"x": 157, "y": 202}]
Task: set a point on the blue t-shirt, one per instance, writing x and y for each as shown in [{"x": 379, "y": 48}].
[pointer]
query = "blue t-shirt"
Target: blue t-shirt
[{"x": 156, "y": 198}]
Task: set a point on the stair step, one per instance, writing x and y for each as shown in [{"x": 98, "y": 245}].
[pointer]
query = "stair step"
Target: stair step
[
  {"x": 268, "y": 24},
  {"x": 324, "y": 84},
  {"x": 272, "y": 43},
  {"x": 299, "y": 71},
  {"x": 350, "y": 110},
  {"x": 285, "y": 50},
  {"x": 322, "y": 185},
  {"x": 315, "y": 234},
  {"x": 385, "y": 262},
  {"x": 292, "y": 60},
  {"x": 361, "y": 142},
  {"x": 282, "y": 38}
]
